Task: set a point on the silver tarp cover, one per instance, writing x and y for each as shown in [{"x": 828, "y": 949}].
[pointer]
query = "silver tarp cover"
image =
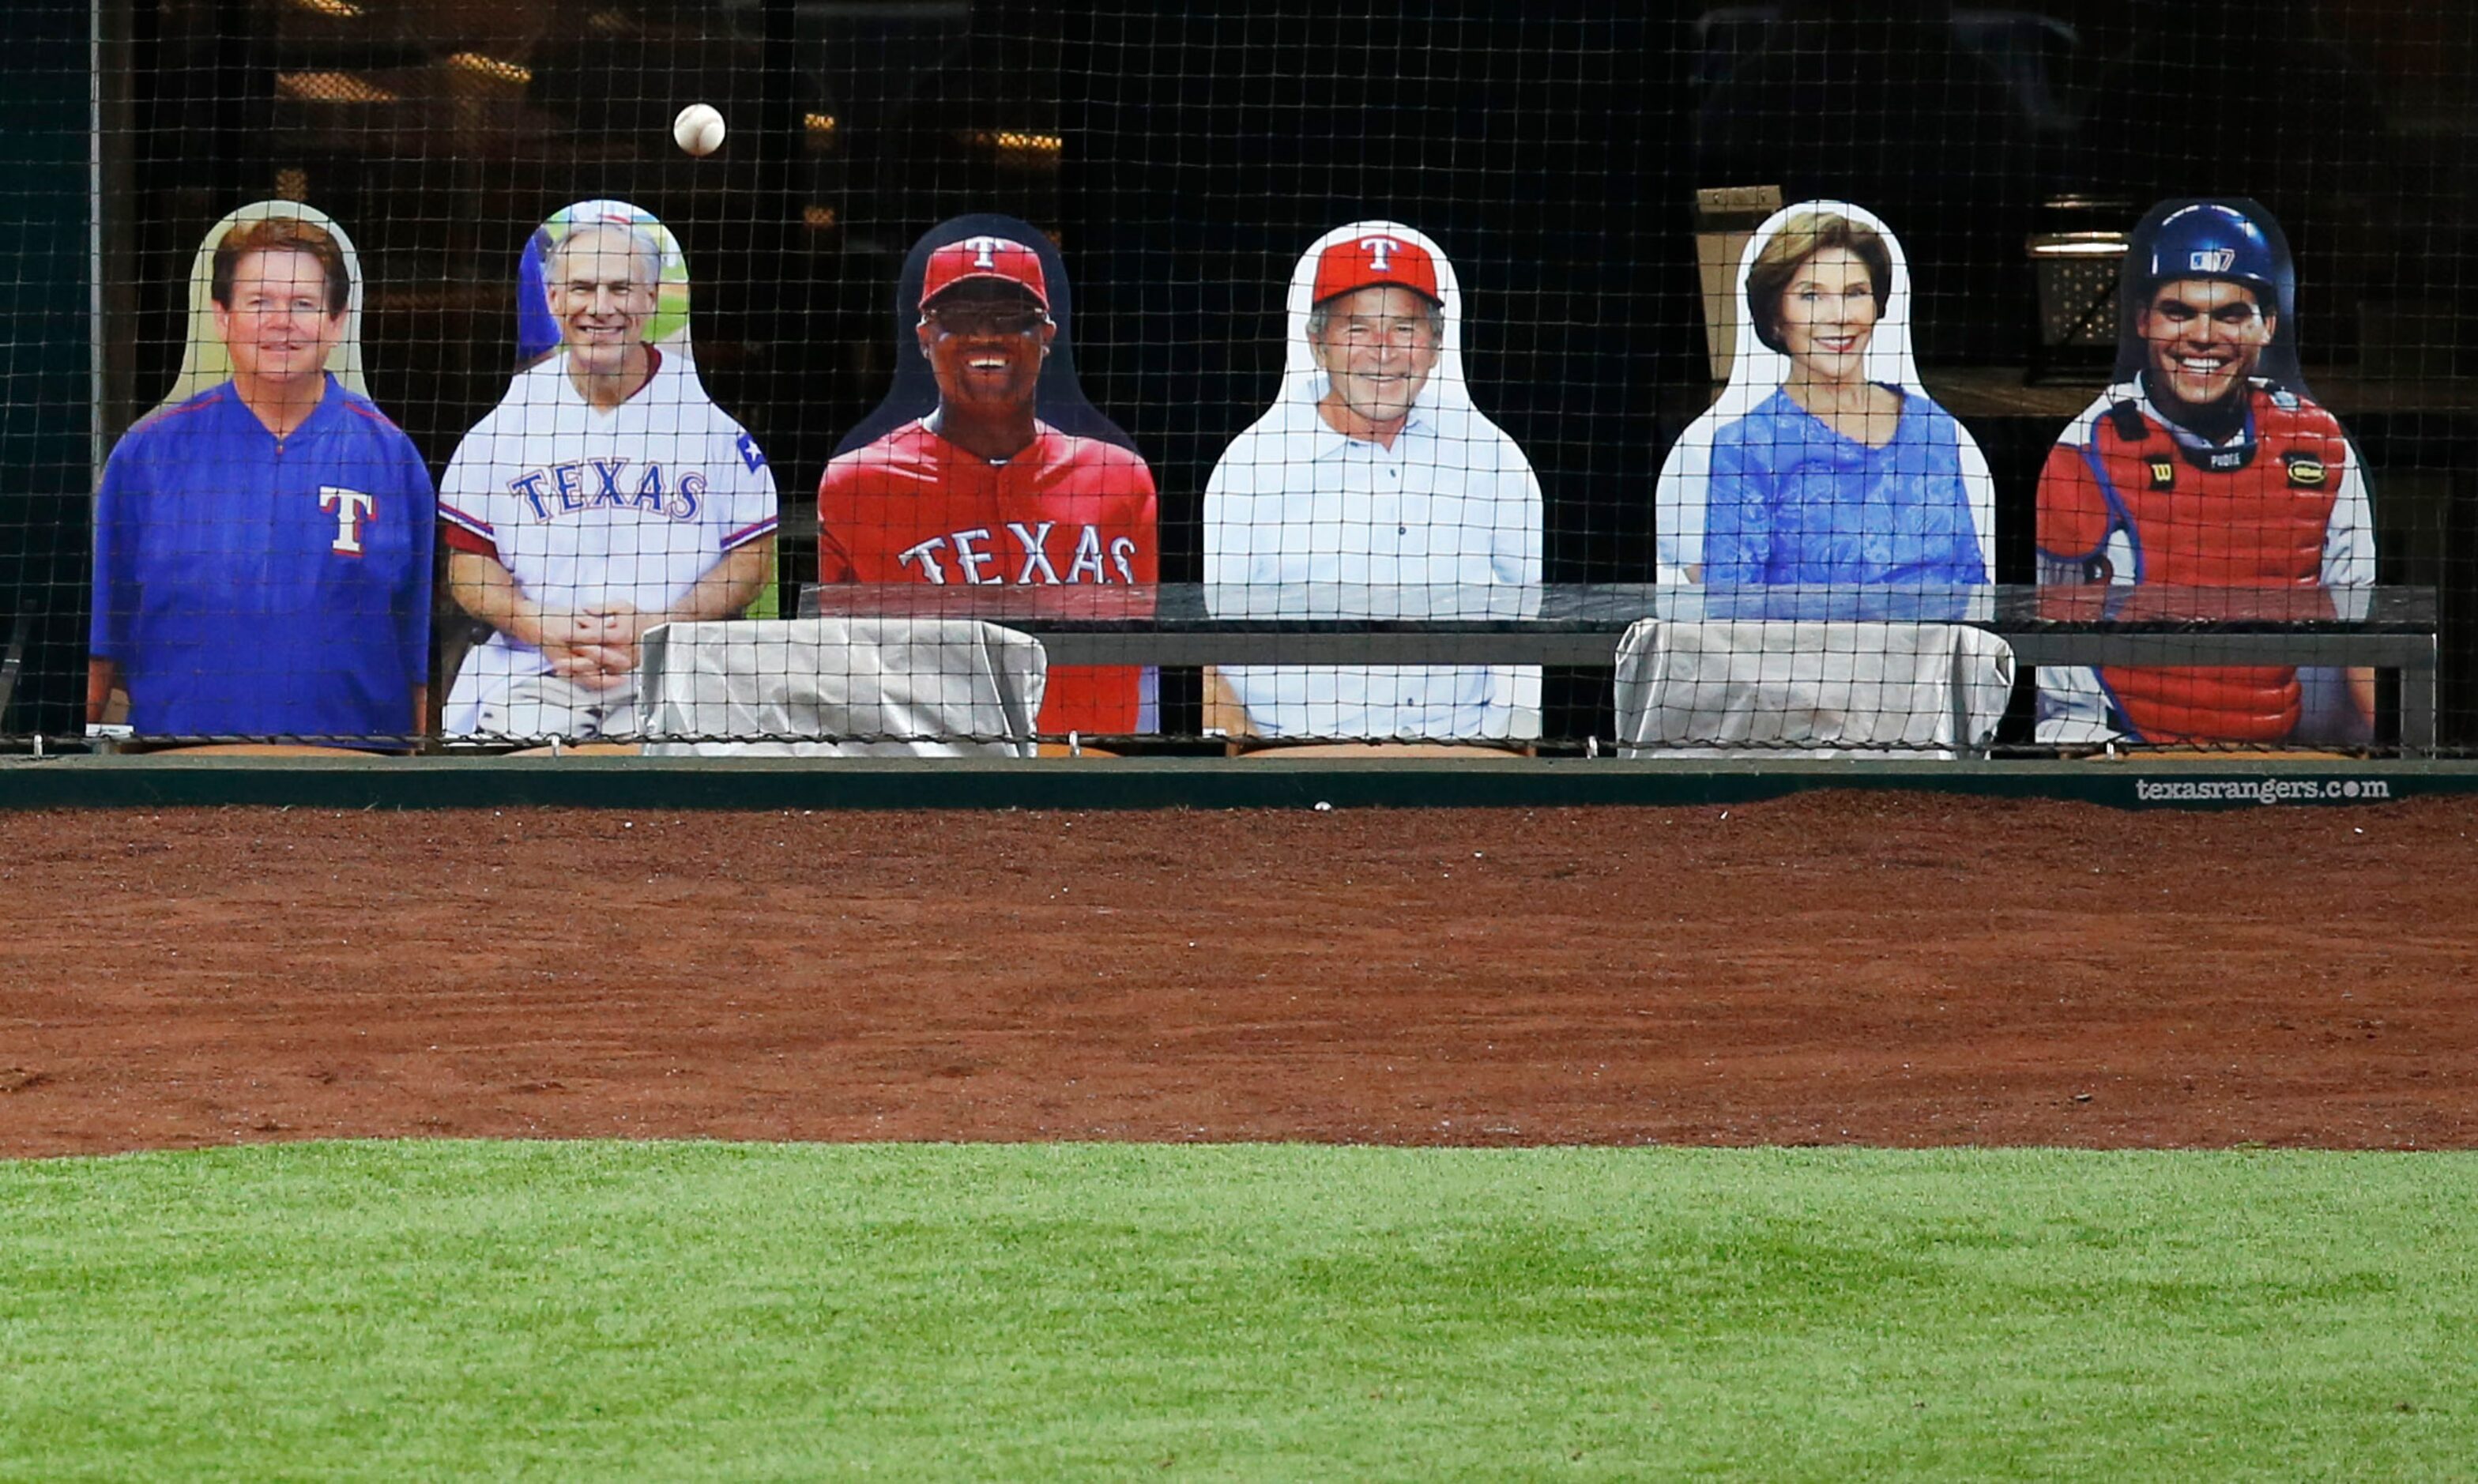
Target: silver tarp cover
[
  {"x": 1773, "y": 689},
  {"x": 841, "y": 688}
]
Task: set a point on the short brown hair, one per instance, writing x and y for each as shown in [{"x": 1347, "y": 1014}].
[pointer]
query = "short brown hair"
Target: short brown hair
[
  {"x": 1800, "y": 238},
  {"x": 283, "y": 234}
]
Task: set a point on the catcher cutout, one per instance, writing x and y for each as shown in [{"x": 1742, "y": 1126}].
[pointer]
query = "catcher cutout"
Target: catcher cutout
[{"x": 2206, "y": 464}]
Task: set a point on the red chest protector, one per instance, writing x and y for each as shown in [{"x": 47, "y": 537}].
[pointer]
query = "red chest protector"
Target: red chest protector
[{"x": 2239, "y": 517}]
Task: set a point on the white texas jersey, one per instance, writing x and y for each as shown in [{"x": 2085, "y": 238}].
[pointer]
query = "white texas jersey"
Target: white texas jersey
[{"x": 583, "y": 507}]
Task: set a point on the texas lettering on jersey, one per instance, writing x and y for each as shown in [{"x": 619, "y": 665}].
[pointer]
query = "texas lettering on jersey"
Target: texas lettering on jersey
[
  {"x": 977, "y": 558},
  {"x": 609, "y": 484}
]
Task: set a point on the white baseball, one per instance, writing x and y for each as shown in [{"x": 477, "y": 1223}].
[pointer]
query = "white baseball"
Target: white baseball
[{"x": 698, "y": 128}]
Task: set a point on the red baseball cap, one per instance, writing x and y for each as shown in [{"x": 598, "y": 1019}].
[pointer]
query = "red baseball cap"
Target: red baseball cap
[
  {"x": 998, "y": 258},
  {"x": 1379, "y": 257}
]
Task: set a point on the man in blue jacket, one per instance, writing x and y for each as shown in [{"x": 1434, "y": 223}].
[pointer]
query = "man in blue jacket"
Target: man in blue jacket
[{"x": 263, "y": 550}]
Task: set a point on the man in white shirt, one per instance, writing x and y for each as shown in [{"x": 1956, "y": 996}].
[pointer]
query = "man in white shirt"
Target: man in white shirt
[
  {"x": 604, "y": 496},
  {"x": 1373, "y": 468}
]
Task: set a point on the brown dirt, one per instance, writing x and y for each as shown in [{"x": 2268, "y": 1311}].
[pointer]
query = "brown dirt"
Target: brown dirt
[{"x": 1854, "y": 968}]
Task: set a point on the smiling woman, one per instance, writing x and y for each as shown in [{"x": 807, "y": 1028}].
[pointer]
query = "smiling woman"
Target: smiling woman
[
  {"x": 1815, "y": 295},
  {"x": 1826, "y": 462}
]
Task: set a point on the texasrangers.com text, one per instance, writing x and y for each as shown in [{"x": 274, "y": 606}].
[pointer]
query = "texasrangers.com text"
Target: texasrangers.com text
[{"x": 2262, "y": 791}]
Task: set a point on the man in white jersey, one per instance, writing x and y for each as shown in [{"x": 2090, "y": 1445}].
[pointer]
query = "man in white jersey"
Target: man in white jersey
[
  {"x": 604, "y": 496},
  {"x": 1373, "y": 468}
]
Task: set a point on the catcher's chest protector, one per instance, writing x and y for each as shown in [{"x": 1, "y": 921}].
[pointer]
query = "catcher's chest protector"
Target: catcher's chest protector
[
  {"x": 2244, "y": 517},
  {"x": 2258, "y": 522}
]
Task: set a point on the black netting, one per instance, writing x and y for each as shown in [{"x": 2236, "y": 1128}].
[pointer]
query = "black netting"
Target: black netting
[{"x": 1798, "y": 376}]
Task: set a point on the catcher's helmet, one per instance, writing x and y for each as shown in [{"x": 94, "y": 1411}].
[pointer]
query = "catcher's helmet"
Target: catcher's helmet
[{"x": 2211, "y": 241}]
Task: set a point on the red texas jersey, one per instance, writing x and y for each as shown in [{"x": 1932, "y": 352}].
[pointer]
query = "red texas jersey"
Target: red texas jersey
[
  {"x": 2252, "y": 515},
  {"x": 913, "y": 507}
]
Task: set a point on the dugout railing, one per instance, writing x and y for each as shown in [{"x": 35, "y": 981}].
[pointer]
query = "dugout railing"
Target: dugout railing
[
  {"x": 1188, "y": 626},
  {"x": 1579, "y": 625}
]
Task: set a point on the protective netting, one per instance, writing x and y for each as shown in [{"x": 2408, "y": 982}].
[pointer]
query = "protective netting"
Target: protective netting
[{"x": 1795, "y": 378}]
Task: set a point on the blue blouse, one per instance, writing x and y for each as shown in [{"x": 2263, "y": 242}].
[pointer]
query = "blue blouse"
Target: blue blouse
[{"x": 1793, "y": 501}]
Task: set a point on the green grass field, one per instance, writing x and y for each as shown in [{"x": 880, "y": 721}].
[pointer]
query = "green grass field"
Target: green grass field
[{"x": 1036, "y": 1312}]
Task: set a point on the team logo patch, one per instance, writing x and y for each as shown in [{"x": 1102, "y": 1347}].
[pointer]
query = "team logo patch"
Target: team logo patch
[
  {"x": 2211, "y": 259},
  {"x": 2305, "y": 470},
  {"x": 351, "y": 508},
  {"x": 2164, "y": 473},
  {"x": 748, "y": 453}
]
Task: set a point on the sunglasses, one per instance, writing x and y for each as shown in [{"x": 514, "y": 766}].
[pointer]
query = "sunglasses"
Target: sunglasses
[{"x": 966, "y": 320}]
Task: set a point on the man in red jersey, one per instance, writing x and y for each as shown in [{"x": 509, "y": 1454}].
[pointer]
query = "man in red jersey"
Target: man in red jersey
[{"x": 981, "y": 492}]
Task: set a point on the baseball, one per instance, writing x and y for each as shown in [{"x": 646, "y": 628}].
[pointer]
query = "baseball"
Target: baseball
[{"x": 698, "y": 128}]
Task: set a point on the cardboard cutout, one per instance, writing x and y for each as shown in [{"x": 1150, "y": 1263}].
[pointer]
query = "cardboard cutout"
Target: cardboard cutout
[
  {"x": 2206, "y": 464},
  {"x": 1072, "y": 509},
  {"x": 1060, "y": 403},
  {"x": 613, "y": 516},
  {"x": 251, "y": 586},
  {"x": 1759, "y": 490},
  {"x": 1450, "y": 506},
  {"x": 205, "y": 361}
]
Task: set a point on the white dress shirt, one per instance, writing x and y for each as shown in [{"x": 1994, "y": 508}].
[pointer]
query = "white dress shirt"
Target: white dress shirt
[{"x": 1452, "y": 501}]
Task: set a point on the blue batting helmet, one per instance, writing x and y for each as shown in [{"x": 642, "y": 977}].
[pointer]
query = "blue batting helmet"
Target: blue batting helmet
[{"x": 2211, "y": 241}]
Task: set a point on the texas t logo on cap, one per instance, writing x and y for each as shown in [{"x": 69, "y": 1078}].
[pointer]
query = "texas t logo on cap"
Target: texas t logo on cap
[
  {"x": 997, "y": 258},
  {"x": 1377, "y": 260}
]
